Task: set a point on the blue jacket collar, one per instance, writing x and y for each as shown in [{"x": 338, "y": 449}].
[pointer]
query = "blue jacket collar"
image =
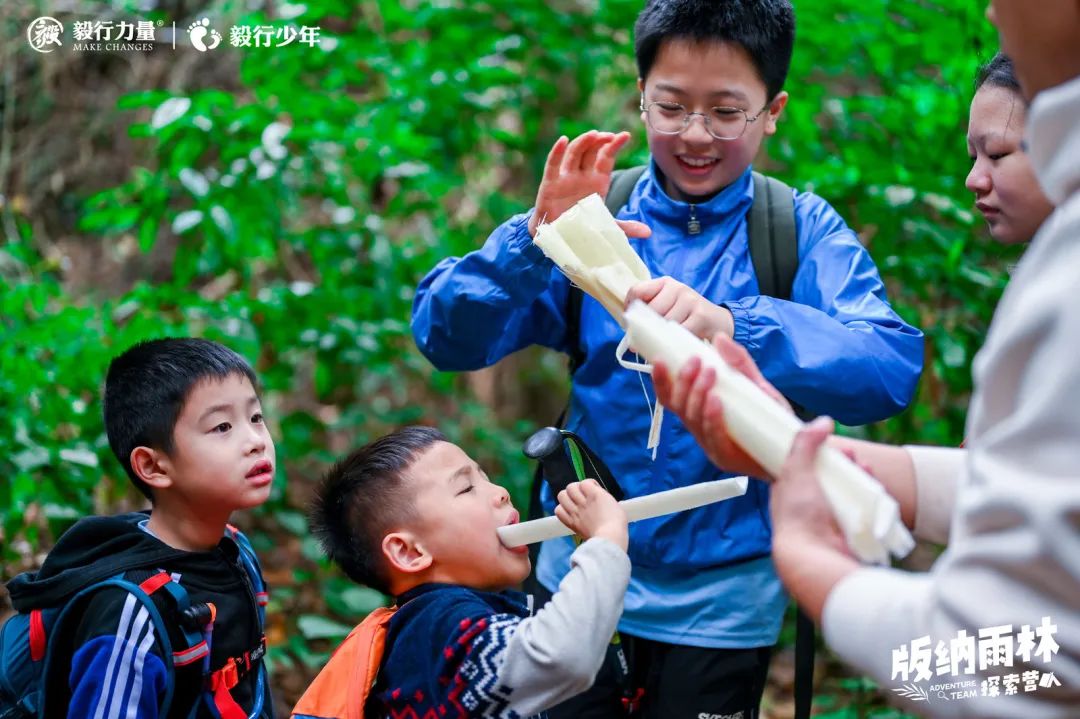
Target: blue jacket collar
[{"x": 733, "y": 200}]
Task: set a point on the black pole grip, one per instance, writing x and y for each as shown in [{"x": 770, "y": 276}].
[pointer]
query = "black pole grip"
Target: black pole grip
[{"x": 546, "y": 445}]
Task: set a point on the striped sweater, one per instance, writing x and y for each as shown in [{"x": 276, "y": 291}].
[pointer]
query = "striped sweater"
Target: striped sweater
[{"x": 460, "y": 653}]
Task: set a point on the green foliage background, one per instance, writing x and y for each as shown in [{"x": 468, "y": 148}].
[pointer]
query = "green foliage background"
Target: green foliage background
[{"x": 408, "y": 137}]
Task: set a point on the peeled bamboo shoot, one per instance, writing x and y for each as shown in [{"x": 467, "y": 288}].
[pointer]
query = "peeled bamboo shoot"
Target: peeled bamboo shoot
[
  {"x": 868, "y": 516},
  {"x": 593, "y": 252},
  {"x": 646, "y": 507}
]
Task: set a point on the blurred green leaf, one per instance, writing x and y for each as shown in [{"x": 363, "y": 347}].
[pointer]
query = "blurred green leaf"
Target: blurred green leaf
[{"x": 315, "y": 627}]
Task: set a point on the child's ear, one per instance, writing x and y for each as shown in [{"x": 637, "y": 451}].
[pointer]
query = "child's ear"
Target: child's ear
[
  {"x": 151, "y": 466},
  {"x": 405, "y": 553},
  {"x": 776, "y": 107}
]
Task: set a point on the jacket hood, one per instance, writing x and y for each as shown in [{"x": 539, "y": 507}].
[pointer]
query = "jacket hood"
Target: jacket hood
[{"x": 95, "y": 548}]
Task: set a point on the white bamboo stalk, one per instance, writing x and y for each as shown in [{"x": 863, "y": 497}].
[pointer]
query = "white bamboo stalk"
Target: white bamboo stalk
[
  {"x": 868, "y": 516},
  {"x": 592, "y": 250},
  {"x": 604, "y": 224},
  {"x": 652, "y": 505}
]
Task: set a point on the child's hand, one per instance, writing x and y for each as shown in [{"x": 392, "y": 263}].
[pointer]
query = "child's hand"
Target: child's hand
[
  {"x": 591, "y": 511},
  {"x": 679, "y": 303},
  {"x": 576, "y": 169}
]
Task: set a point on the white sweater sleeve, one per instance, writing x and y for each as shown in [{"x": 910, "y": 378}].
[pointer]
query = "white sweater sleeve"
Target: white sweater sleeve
[
  {"x": 1014, "y": 551},
  {"x": 937, "y": 474},
  {"x": 556, "y": 654}
]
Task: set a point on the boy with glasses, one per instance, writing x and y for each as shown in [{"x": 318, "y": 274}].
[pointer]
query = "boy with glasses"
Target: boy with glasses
[{"x": 704, "y": 605}]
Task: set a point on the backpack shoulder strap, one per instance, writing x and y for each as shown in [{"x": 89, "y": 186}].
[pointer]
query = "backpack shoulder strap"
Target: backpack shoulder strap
[
  {"x": 143, "y": 592},
  {"x": 774, "y": 242},
  {"x": 250, "y": 560},
  {"x": 574, "y": 300},
  {"x": 342, "y": 688},
  {"x": 619, "y": 191},
  {"x": 622, "y": 185}
]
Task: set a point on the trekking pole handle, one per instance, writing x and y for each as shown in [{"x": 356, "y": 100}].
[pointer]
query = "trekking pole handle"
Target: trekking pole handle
[
  {"x": 547, "y": 446},
  {"x": 647, "y": 507}
]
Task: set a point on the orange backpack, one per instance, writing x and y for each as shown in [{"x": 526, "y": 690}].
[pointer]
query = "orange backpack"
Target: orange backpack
[{"x": 342, "y": 688}]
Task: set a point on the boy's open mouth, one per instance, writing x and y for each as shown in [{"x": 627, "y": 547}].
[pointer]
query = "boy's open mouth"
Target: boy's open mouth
[
  {"x": 261, "y": 473},
  {"x": 514, "y": 518}
]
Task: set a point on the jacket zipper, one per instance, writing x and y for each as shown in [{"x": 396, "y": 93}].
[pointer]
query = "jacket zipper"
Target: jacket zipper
[{"x": 693, "y": 226}]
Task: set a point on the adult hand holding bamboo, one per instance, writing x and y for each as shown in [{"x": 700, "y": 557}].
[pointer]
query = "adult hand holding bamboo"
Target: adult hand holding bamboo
[
  {"x": 763, "y": 428},
  {"x": 680, "y": 303},
  {"x": 689, "y": 395}
]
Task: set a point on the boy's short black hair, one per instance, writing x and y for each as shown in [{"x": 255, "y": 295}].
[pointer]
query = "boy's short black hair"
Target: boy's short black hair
[
  {"x": 362, "y": 497},
  {"x": 147, "y": 385},
  {"x": 764, "y": 28},
  {"x": 999, "y": 72}
]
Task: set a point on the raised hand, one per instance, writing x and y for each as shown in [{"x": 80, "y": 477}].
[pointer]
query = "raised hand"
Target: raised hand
[{"x": 576, "y": 169}]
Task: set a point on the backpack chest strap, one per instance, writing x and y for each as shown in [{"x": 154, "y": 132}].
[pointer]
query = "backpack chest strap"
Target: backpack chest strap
[
  {"x": 221, "y": 682},
  {"x": 237, "y": 667}
]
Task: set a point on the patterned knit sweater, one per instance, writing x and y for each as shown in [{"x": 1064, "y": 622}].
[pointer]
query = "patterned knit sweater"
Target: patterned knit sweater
[{"x": 456, "y": 653}]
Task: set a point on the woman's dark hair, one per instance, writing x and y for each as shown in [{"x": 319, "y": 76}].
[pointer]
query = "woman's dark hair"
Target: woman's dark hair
[{"x": 999, "y": 72}]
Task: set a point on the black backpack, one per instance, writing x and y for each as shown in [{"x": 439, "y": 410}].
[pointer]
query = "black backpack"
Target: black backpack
[
  {"x": 774, "y": 252},
  {"x": 31, "y": 641}
]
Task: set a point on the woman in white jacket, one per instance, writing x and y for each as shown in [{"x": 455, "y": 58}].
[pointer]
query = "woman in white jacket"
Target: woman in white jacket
[{"x": 993, "y": 629}]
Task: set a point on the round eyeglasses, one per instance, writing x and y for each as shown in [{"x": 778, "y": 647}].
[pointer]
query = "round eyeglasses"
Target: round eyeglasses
[{"x": 723, "y": 123}]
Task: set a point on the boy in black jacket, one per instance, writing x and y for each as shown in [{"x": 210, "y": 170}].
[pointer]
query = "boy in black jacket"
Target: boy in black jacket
[{"x": 184, "y": 419}]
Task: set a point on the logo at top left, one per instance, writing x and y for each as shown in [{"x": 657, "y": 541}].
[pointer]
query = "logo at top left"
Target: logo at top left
[{"x": 45, "y": 32}]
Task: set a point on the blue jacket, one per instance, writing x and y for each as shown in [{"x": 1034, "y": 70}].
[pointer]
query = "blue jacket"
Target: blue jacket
[{"x": 836, "y": 348}]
